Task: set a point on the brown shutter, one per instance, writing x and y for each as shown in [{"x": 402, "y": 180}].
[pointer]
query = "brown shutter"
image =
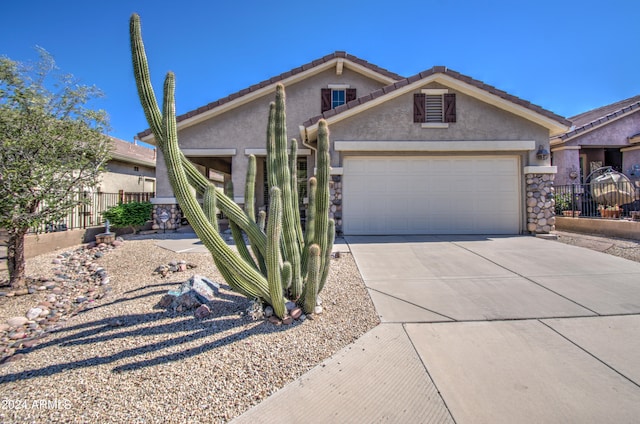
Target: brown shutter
[
  {"x": 419, "y": 113},
  {"x": 449, "y": 107},
  {"x": 350, "y": 95},
  {"x": 325, "y": 99}
]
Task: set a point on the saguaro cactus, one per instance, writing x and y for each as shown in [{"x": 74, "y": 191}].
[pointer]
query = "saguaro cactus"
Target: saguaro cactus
[{"x": 286, "y": 263}]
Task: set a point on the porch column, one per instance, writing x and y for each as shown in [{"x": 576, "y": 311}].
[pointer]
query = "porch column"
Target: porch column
[
  {"x": 166, "y": 213},
  {"x": 540, "y": 203},
  {"x": 567, "y": 160}
]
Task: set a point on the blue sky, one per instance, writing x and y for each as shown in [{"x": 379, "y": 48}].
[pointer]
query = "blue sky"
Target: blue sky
[{"x": 566, "y": 56}]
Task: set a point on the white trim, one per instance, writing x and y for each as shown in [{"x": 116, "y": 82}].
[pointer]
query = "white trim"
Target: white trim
[
  {"x": 164, "y": 201},
  {"x": 554, "y": 127},
  {"x": 559, "y": 149},
  {"x": 339, "y": 66},
  {"x": 540, "y": 170},
  {"x": 435, "y": 146},
  {"x": 338, "y": 86},
  {"x": 435, "y": 125},
  {"x": 209, "y": 152},
  {"x": 332, "y": 171},
  {"x": 263, "y": 152},
  {"x": 434, "y": 91},
  {"x": 630, "y": 149},
  {"x": 268, "y": 89}
]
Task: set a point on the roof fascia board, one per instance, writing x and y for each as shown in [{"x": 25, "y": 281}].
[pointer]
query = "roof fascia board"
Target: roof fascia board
[
  {"x": 435, "y": 146},
  {"x": 130, "y": 159}
]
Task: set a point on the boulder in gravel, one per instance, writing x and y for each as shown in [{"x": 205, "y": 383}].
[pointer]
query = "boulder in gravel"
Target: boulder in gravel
[
  {"x": 202, "y": 312},
  {"x": 202, "y": 288},
  {"x": 17, "y": 321},
  {"x": 33, "y": 313},
  {"x": 166, "y": 301}
]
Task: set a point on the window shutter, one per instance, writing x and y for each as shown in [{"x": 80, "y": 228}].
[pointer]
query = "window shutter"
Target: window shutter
[
  {"x": 325, "y": 99},
  {"x": 351, "y": 94},
  {"x": 419, "y": 113},
  {"x": 449, "y": 107}
]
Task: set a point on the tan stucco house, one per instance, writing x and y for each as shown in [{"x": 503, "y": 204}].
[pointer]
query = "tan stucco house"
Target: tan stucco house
[
  {"x": 436, "y": 153},
  {"x": 606, "y": 136},
  {"x": 131, "y": 169}
]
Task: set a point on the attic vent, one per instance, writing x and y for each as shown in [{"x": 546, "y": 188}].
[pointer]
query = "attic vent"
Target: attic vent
[{"x": 435, "y": 107}]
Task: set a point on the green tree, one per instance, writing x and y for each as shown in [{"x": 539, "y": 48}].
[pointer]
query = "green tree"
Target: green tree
[{"x": 52, "y": 146}]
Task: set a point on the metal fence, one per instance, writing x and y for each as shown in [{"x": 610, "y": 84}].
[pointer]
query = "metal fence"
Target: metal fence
[
  {"x": 603, "y": 200},
  {"x": 89, "y": 214}
]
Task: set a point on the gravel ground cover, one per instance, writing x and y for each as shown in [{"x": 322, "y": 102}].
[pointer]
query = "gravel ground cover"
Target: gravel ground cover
[
  {"x": 624, "y": 248},
  {"x": 126, "y": 360}
]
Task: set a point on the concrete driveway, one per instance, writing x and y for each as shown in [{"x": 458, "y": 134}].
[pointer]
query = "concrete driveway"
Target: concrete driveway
[{"x": 481, "y": 329}]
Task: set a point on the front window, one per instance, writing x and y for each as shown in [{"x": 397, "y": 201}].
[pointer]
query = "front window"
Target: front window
[{"x": 338, "y": 98}]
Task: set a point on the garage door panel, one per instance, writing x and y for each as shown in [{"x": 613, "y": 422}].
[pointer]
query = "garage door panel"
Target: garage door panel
[{"x": 429, "y": 195}]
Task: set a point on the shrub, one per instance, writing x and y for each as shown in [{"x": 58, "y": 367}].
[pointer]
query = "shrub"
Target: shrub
[{"x": 132, "y": 215}]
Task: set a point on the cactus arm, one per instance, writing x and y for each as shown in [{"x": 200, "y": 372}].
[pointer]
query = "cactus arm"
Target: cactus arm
[
  {"x": 282, "y": 178},
  {"x": 286, "y": 274},
  {"x": 239, "y": 241},
  {"x": 274, "y": 230},
  {"x": 313, "y": 276},
  {"x": 250, "y": 189},
  {"x": 143, "y": 80},
  {"x": 295, "y": 200},
  {"x": 209, "y": 205},
  {"x": 311, "y": 221},
  {"x": 327, "y": 254},
  {"x": 249, "y": 280},
  {"x": 322, "y": 192},
  {"x": 262, "y": 220}
]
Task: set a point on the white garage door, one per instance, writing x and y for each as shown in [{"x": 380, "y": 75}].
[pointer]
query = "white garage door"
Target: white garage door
[{"x": 431, "y": 195}]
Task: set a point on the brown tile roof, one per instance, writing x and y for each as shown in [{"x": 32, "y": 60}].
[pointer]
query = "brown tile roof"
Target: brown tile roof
[
  {"x": 601, "y": 115},
  {"x": 435, "y": 70},
  {"x": 129, "y": 152},
  {"x": 281, "y": 77}
]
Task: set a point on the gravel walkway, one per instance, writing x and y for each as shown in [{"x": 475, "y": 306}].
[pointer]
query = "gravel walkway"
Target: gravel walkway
[{"x": 125, "y": 360}]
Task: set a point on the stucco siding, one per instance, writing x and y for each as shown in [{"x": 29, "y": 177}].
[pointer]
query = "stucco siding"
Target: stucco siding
[
  {"x": 476, "y": 120},
  {"x": 245, "y": 127},
  {"x": 613, "y": 134}
]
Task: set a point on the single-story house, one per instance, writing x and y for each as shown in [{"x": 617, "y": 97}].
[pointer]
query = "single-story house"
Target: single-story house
[
  {"x": 436, "y": 153},
  {"x": 131, "y": 169},
  {"x": 606, "y": 136}
]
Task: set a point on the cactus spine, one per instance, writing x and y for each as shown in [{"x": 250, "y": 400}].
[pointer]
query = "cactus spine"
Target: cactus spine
[{"x": 284, "y": 259}]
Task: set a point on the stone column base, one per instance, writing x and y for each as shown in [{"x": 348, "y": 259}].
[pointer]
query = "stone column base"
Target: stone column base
[{"x": 166, "y": 217}]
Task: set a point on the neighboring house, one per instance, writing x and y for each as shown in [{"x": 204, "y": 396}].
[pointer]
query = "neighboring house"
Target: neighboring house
[
  {"x": 606, "y": 136},
  {"x": 132, "y": 169},
  {"x": 435, "y": 153}
]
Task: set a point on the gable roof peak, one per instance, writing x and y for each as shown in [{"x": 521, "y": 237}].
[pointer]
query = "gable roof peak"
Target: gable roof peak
[{"x": 385, "y": 75}]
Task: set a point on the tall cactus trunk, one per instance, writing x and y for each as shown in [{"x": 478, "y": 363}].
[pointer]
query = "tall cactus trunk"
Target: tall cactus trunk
[{"x": 284, "y": 259}]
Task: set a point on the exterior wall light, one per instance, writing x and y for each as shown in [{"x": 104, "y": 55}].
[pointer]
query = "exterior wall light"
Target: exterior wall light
[{"x": 542, "y": 153}]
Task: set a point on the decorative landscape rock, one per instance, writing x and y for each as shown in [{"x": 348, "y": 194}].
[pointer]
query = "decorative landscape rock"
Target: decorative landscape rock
[
  {"x": 173, "y": 267},
  {"x": 76, "y": 284},
  {"x": 195, "y": 292}
]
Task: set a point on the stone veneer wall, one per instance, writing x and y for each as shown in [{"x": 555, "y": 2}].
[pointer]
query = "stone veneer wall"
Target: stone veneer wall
[
  {"x": 335, "y": 199},
  {"x": 541, "y": 217},
  {"x": 175, "y": 217}
]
